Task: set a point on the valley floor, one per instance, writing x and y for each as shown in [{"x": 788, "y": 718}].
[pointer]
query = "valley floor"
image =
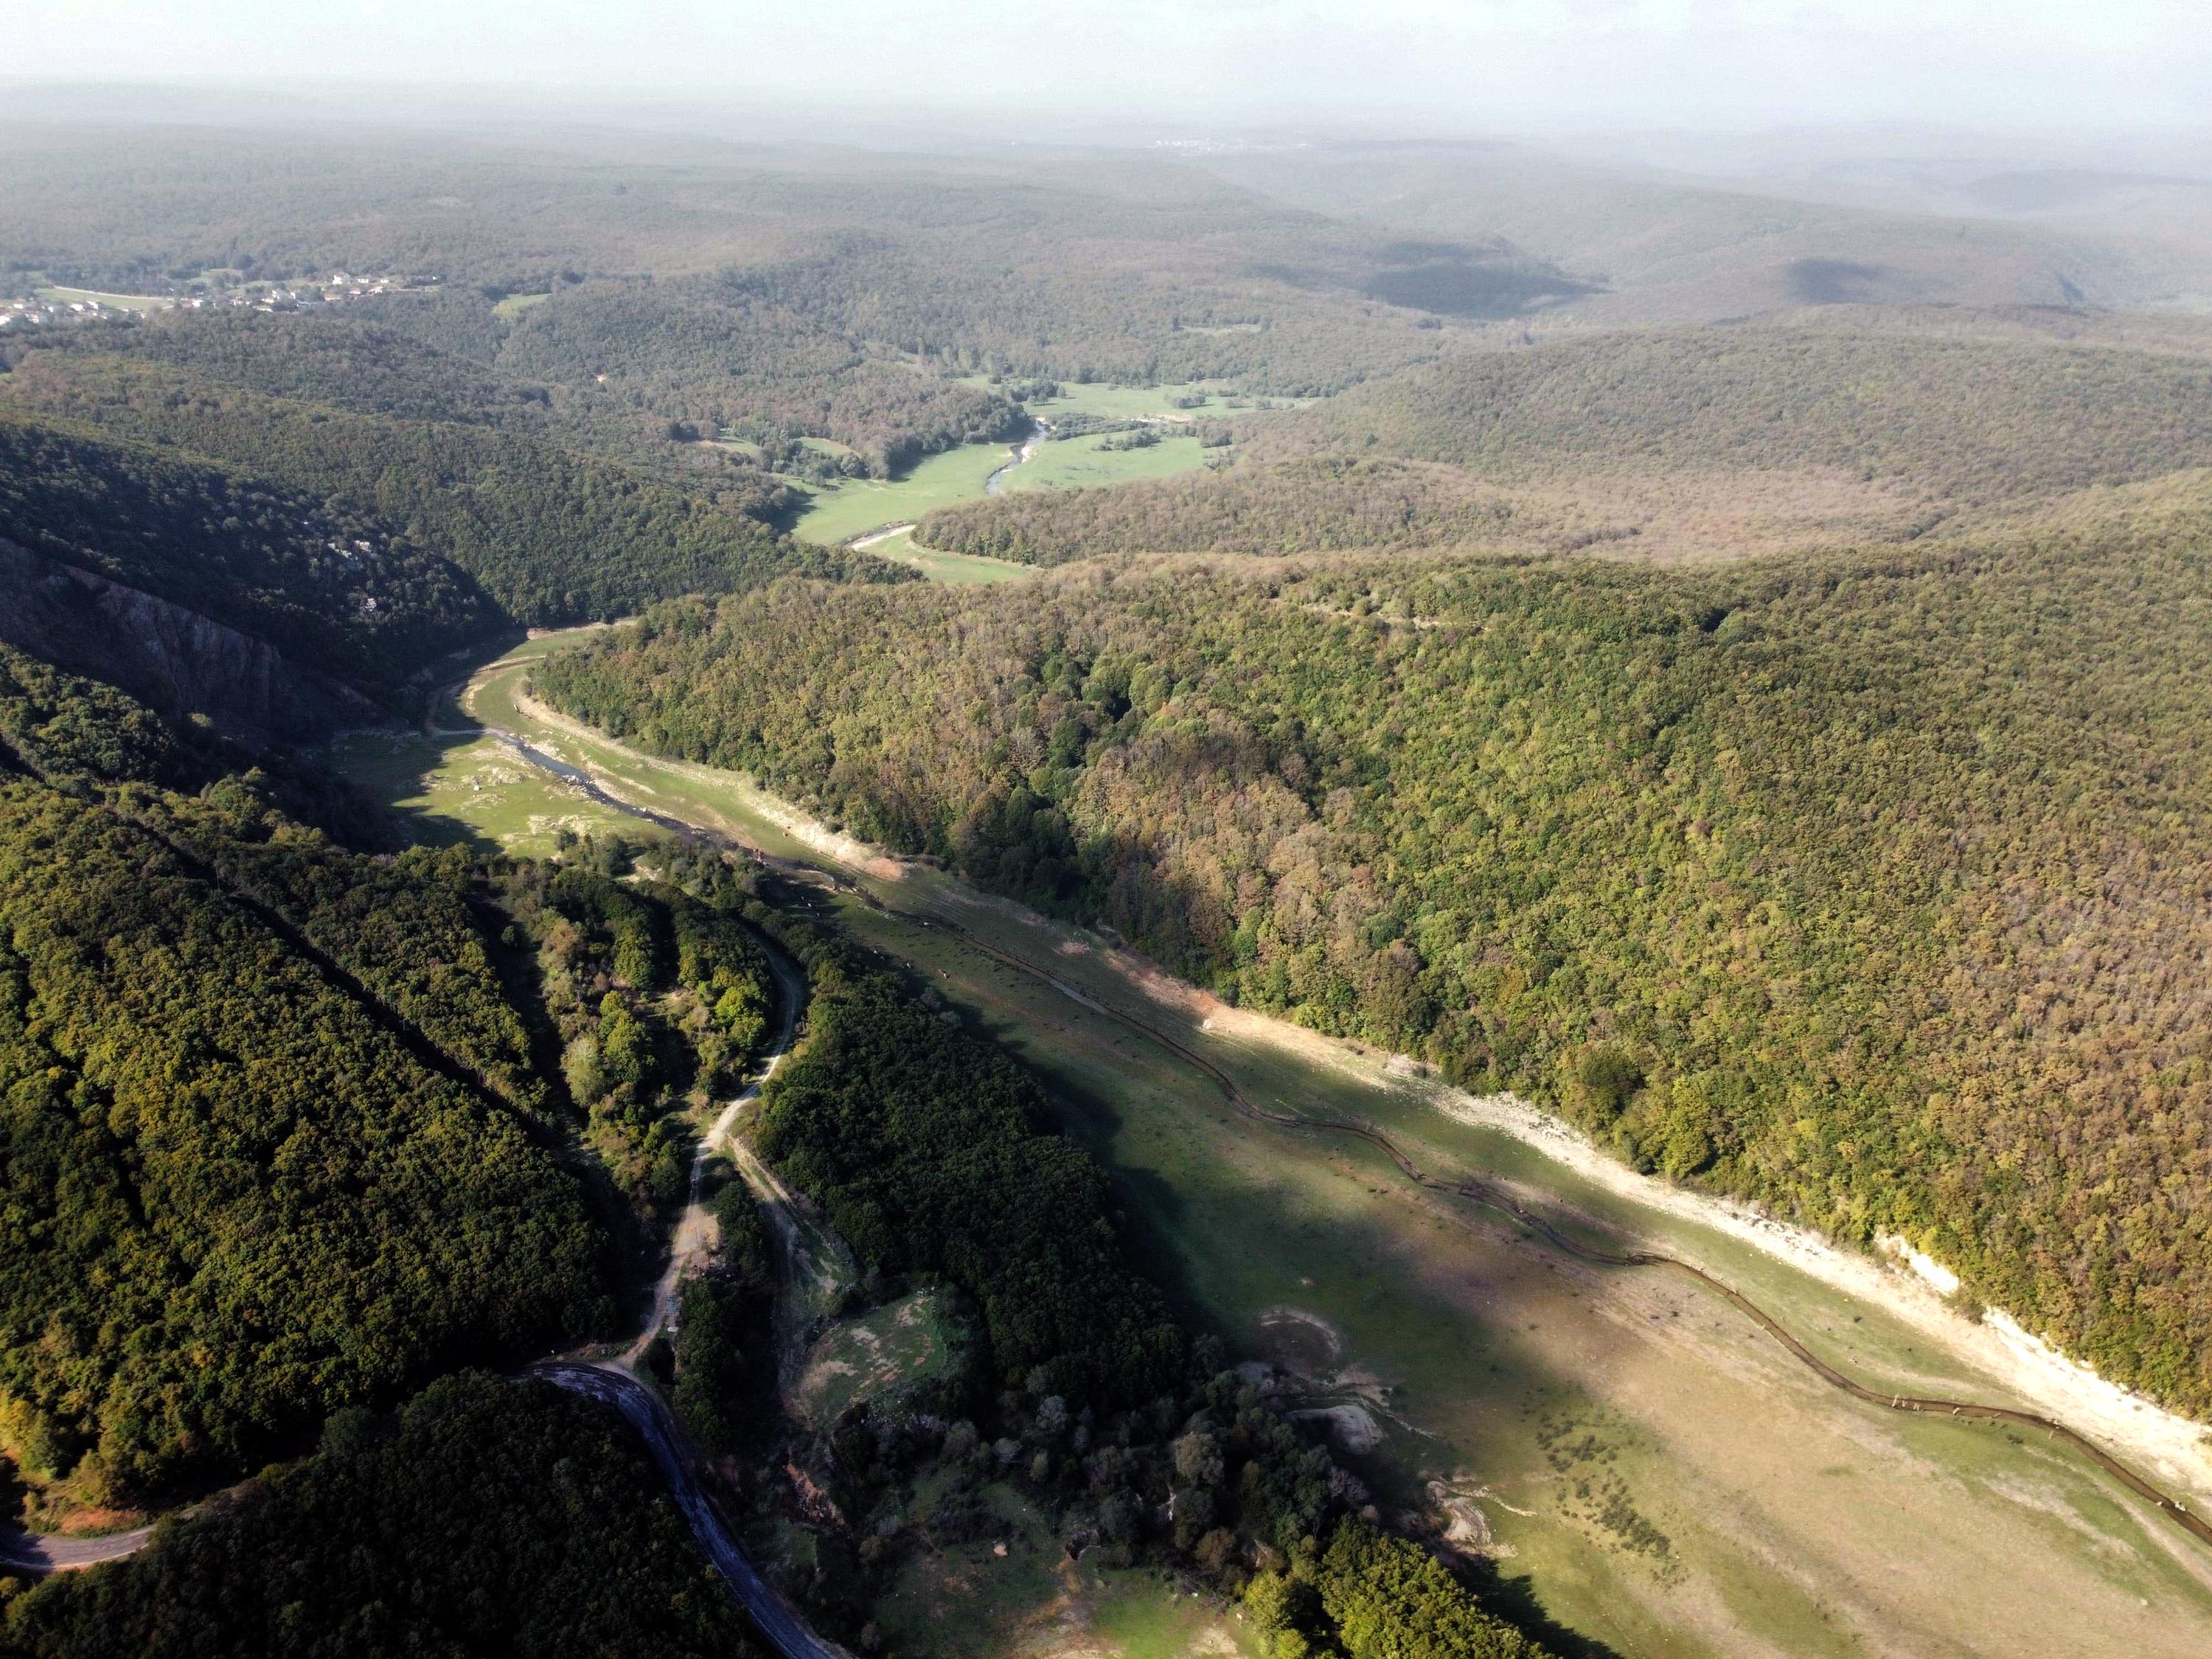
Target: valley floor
[{"x": 1635, "y": 1458}]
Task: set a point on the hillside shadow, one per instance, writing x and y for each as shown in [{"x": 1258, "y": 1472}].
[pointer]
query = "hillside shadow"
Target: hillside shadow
[{"x": 1168, "y": 1230}]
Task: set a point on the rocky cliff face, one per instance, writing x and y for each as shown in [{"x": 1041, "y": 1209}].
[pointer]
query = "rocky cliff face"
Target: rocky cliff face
[{"x": 175, "y": 659}]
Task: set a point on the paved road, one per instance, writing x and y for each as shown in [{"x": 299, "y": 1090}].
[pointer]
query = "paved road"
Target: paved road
[
  {"x": 611, "y": 1385},
  {"x": 40, "y": 1553}
]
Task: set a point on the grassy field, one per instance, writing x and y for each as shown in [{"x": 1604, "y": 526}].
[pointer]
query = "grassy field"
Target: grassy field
[
  {"x": 1132, "y": 403},
  {"x": 470, "y": 788},
  {"x": 515, "y": 304},
  {"x": 1637, "y": 1460},
  {"x": 851, "y": 507},
  {"x": 1014, "y": 1593},
  {"x": 120, "y": 302},
  {"x": 959, "y": 568},
  {"x": 1076, "y": 463},
  {"x": 841, "y": 511},
  {"x": 877, "y": 1353}
]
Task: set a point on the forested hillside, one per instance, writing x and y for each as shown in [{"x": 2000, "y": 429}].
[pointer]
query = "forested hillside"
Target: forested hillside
[
  {"x": 1959, "y": 421},
  {"x": 548, "y": 536},
  {"x": 730, "y": 352},
  {"x": 243, "y": 1190},
  {"x": 1321, "y": 506},
  {"x": 927, "y": 1147},
  {"x": 1668, "y": 447},
  {"x": 1663, "y": 244},
  {"x": 928, "y": 1151},
  {"x": 485, "y": 1517},
  {"x": 1869, "y": 885},
  {"x": 655, "y": 999},
  {"x": 438, "y": 367},
  {"x": 290, "y": 1128},
  {"x": 1072, "y": 263},
  {"x": 340, "y": 589}
]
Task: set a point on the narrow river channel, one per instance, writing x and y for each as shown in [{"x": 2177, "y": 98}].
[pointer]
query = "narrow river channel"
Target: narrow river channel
[{"x": 1024, "y": 451}]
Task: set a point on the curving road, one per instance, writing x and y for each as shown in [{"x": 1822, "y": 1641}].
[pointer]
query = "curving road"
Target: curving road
[
  {"x": 689, "y": 1245},
  {"x": 612, "y": 1385},
  {"x": 37, "y": 1553}
]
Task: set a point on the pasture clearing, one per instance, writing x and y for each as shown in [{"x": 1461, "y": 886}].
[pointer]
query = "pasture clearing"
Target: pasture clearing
[
  {"x": 1082, "y": 463},
  {"x": 961, "y": 569},
  {"x": 879, "y": 1354},
  {"x": 852, "y": 507},
  {"x": 991, "y": 1579},
  {"x": 120, "y": 302},
  {"x": 838, "y": 512},
  {"x": 470, "y": 788}
]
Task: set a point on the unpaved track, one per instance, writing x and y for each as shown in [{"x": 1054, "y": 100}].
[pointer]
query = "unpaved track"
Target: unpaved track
[
  {"x": 616, "y": 1382},
  {"x": 1470, "y": 1189},
  {"x": 610, "y": 1382},
  {"x": 688, "y": 1246}
]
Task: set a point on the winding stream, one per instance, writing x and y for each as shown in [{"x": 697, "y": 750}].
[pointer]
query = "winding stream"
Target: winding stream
[{"x": 1024, "y": 451}]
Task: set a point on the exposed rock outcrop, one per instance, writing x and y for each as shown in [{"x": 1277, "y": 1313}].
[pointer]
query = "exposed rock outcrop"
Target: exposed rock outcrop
[{"x": 175, "y": 659}]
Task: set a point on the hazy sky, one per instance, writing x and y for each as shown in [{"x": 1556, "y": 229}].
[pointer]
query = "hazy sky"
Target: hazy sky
[{"x": 1476, "y": 65}]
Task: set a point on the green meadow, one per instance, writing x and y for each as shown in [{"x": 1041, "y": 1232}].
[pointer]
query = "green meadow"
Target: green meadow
[
  {"x": 959, "y": 568},
  {"x": 853, "y": 507},
  {"x": 850, "y": 507}
]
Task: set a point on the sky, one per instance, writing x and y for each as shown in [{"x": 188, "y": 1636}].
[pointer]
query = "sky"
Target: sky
[{"x": 1473, "y": 66}]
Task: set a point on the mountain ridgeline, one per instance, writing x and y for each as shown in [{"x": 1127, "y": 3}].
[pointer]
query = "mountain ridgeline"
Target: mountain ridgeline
[{"x": 1670, "y": 445}]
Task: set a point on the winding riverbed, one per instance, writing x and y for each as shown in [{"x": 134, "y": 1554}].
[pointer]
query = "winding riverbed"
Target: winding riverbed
[{"x": 1024, "y": 451}]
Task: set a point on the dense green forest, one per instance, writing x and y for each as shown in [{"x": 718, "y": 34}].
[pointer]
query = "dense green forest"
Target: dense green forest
[
  {"x": 545, "y": 536},
  {"x": 1866, "y": 884},
  {"x": 726, "y": 352},
  {"x": 1325, "y": 505},
  {"x": 927, "y": 1150},
  {"x": 1670, "y": 446},
  {"x": 439, "y": 367},
  {"x": 654, "y": 997},
  {"x": 240, "y": 1193},
  {"x": 340, "y": 589},
  {"x": 1082, "y": 266},
  {"x": 722, "y": 1356},
  {"x": 289, "y": 1128},
  {"x": 1870, "y": 879},
  {"x": 1390, "y": 1598},
  {"x": 483, "y": 1518},
  {"x": 1964, "y": 421},
  {"x": 494, "y": 1517}
]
